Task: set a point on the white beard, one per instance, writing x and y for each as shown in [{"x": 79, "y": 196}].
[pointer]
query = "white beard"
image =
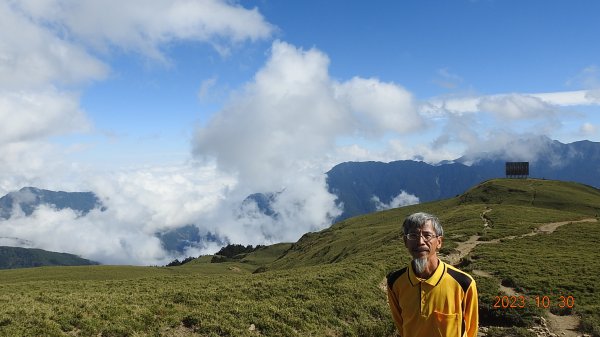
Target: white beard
[{"x": 420, "y": 264}]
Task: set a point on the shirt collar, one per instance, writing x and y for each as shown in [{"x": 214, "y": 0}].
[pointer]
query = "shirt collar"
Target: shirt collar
[{"x": 433, "y": 280}]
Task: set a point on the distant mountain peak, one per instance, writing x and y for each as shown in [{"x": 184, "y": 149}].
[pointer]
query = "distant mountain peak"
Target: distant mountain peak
[
  {"x": 28, "y": 199},
  {"x": 357, "y": 183}
]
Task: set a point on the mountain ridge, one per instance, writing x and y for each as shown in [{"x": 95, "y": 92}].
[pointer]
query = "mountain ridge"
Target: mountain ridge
[
  {"x": 27, "y": 199},
  {"x": 18, "y": 257},
  {"x": 357, "y": 183}
]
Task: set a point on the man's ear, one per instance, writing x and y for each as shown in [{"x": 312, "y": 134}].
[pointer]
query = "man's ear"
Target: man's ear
[
  {"x": 404, "y": 239},
  {"x": 440, "y": 241}
]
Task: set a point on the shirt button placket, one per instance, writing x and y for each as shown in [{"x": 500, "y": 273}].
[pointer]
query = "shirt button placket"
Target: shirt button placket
[{"x": 423, "y": 299}]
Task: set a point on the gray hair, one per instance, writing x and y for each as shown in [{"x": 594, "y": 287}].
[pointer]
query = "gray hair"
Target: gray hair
[{"x": 417, "y": 220}]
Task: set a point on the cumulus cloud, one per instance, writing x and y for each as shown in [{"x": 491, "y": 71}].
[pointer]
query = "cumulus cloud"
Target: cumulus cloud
[
  {"x": 278, "y": 123},
  {"x": 33, "y": 57},
  {"x": 277, "y": 132},
  {"x": 379, "y": 106},
  {"x": 292, "y": 114},
  {"x": 402, "y": 199},
  {"x": 34, "y": 62},
  {"x": 39, "y": 114}
]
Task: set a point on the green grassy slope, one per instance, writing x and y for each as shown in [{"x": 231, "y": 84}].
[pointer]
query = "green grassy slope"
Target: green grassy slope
[
  {"x": 16, "y": 257},
  {"x": 328, "y": 283},
  {"x": 516, "y": 207}
]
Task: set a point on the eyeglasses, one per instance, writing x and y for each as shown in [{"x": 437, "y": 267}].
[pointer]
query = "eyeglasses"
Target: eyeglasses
[{"x": 416, "y": 236}]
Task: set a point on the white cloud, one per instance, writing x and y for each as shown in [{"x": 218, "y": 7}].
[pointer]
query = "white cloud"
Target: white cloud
[
  {"x": 588, "y": 129},
  {"x": 91, "y": 236},
  {"x": 587, "y": 78},
  {"x": 39, "y": 114},
  {"x": 519, "y": 105},
  {"x": 29, "y": 163},
  {"x": 503, "y": 107},
  {"x": 380, "y": 106},
  {"x": 145, "y": 25},
  {"x": 511, "y": 146},
  {"x": 139, "y": 203},
  {"x": 279, "y": 123},
  {"x": 278, "y": 133},
  {"x": 303, "y": 206},
  {"x": 291, "y": 115},
  {"x": 355, "y": 152},
  {"x": 32, "y": 56},
  {"x": 447, "y": 80},
  {"x": 593, "y": 96},
  {"x": 495, "y": 124},
  {"x": 569, "y": 98},
  {"x": 516, "y": 107},
  {"x": 47, "y": 56},
  {"x": 205, "y": 87},
  {"x": 402, "y": 199},
  {"x": 44, "y": 49},
  {"x": 429, "y": 153}
]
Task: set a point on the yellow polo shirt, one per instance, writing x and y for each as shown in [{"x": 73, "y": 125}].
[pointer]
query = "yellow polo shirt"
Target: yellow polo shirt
[{"x": 444, "y": 305}]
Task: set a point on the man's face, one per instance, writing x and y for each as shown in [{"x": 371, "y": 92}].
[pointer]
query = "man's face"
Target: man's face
[{"x": 420, "y": 247}]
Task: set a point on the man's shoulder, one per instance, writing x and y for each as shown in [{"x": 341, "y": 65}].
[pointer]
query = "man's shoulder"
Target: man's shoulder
[
  {"x": 465, "y": 280},
  {"x": 394, "y": 275}
]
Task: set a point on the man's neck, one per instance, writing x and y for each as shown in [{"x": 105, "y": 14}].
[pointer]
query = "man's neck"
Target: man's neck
[{"x": 432, "y": 265}]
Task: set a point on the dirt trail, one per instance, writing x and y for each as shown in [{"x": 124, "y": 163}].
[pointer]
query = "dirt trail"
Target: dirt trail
[
  {"x": 464, "y": 248},
  {"x": 564, "y": 325},
  {"x": 558, "y": 325},
  {"x": 551, "y": 227}
]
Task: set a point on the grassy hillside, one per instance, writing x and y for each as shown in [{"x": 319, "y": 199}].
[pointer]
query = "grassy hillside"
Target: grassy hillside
[
  {"x": 16, "y": 257},
  {"x": 328, "y": 283}
]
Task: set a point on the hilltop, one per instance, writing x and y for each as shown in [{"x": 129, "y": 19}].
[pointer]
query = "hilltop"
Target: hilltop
[{"x": 331, "y": 283}]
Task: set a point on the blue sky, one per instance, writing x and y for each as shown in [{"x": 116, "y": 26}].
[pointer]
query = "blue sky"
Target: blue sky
[
  {"x": 432, "y": 49},
  {"x": 174, "y": 111}
]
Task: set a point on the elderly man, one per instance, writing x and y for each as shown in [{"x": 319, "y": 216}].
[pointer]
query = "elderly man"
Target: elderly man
[{"x": 429, "y": 297}]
